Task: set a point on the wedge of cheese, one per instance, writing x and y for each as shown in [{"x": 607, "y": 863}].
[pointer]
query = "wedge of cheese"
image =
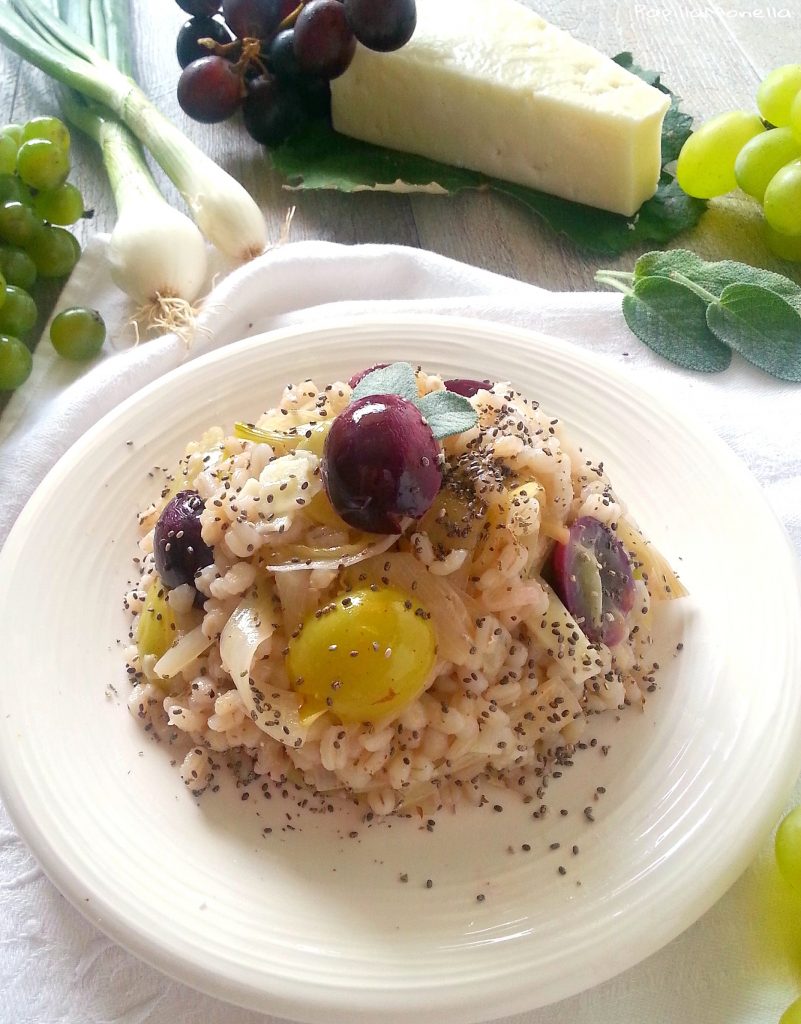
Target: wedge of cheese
[{"x": 490, "y": 85}]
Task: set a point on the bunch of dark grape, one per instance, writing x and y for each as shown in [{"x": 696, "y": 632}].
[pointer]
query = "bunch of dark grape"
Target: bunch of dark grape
[{"x": 275, "y": 58}]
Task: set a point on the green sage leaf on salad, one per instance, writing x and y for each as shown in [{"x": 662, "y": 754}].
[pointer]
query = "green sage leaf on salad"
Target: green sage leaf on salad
[
  {"x": 320, "y": 158},
  {"x": 447, "y": 413},
  {"x": 395, "y": 379},
  {"x": 670, "y": 319},
  {"x": 764, "y": 327}
]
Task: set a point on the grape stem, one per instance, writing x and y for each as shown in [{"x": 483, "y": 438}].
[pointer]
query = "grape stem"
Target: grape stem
[{"x": 292, "y": 17}]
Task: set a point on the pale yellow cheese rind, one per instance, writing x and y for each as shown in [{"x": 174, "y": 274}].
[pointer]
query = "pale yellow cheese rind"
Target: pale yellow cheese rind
[{"x": 489, "y": 85}]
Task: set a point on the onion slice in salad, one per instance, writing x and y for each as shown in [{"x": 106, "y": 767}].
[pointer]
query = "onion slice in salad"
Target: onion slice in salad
[
  {"x": 190, "y": 646},
  {"x": 299, "y": 556}
]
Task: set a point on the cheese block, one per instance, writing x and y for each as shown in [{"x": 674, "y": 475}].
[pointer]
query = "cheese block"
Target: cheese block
[{"x": 489, "y": 85}]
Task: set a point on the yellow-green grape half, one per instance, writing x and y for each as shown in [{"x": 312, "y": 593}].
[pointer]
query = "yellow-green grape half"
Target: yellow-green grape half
[
  {"x": 792, "y": 1015},
  {"x": 706, "y": 162},
  {"x": 786, "y": 247},
  {"x": 18, "y": 312},
  {"x": 49, "y": 128},
  {"x": 776, "y": 93},
  {"x": 762, "y": 157},
  {"x": 16, "y": 363},
  {"x": 156, "y": 630},
  {"x": 42, "y": 164},
  {"x": 63, "y": 205},
  {"x": 365, "y": 656},
  {"x": 782, "y": 202},
  {"x": 788, "y": 848}
]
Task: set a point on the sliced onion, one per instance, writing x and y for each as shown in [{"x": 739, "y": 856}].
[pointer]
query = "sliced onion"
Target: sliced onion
[
  {"x": 303, "y": 557},
  {"x": 274, "y": 711},
  {"x": 189, "y": 647}
]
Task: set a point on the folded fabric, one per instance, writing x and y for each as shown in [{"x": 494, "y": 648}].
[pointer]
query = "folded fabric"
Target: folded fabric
[{"x": 732, "y": 966}]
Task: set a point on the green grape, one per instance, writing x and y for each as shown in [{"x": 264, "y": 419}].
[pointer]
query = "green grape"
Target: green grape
[
  {"x": 78, "y": 333},
  {"x": 8, "y": 154},
  {"x": 782, "y": 203},
  {"x": 42, "y": 164},
  {"x": 792, "y": 1015},
  {"x": 2, "y": 289},
  {"x": 786, "y": 247},
  {"x": 64, "y": 205},
  {"x": 12, "y": 188},
  {"x": 14, "y": 131},
  {"x": 49, "y": 128},
  {"x": 761, "y": 158},
  {"x": 17, "y": 267},
  {"x": 788, "y": 848},
  {"x": 795, "y": 117},
  {"x": 18, "y": 312},
  {"x": 776, "y": 92},
  {"x": 15, "y": 363},
  {"x": 54, "y": 251},
  {"x": 706, "y": 162},
  {"x": 18, "y": 223}
]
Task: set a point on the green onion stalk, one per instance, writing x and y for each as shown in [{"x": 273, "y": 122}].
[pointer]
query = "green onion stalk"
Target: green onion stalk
[{"x": 223, "y": 210}]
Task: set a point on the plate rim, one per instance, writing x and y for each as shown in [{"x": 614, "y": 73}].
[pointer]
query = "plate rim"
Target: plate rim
[{"x": 276, "y": 999}]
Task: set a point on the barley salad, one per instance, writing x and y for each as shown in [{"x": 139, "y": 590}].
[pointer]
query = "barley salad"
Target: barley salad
[{"x": 401, "y": 590}]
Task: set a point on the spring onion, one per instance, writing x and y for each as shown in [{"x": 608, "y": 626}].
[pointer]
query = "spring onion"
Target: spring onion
[{"x": 224, "y": 211}]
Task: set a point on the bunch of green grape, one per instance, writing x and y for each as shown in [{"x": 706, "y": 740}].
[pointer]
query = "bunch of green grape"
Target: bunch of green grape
[
  {"x": 760, "y": 154},
  {"x": 37, "y": 203}
]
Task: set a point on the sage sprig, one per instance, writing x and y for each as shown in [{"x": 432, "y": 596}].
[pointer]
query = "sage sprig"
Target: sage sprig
[{"x": 696, "y": 313}]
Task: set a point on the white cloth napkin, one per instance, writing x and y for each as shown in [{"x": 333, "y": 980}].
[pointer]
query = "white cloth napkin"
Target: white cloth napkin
[{"x": 737, "y": 965}]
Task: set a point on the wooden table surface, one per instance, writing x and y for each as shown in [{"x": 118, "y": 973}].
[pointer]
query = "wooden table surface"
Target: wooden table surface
[{"x": 711, "y": 54}]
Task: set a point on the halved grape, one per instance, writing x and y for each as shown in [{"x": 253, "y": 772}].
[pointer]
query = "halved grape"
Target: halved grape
[
  {"x": 324, "y": 43},
  {"x": 762, "y": 157},
  {"x": 179, "y": 550},
  {"x": 706, "y": 163},
  {"x": 381, "y": 463},
  {"x": 594, "y": 578},
  {"x": 156, "y": 630},
  {"x": 210, "y": 90},
  {"x": 365, "y": 657},
  {"x": 272, "y": 111},
  {"x": 787, "y": 846},
  {"x": 776, "y": 92},
  {"x": 18, "y": 223},
  {"x": 17, "y": 267},
  {"x": 16, "y": 363},
  {"x": 54, "y": 251},
  {"x": 792, "y": 1015},
  {"x": 18, "y": 313},
  {"x": 49, "y": 128},
  {"x": 62, "y": 205},
  {"x": 78, "y": 333},
  {"x": 382, "y": 25},
  {"x": 42, "y": 164},
  {"x": 253, "y": 19},
  {"x": 187, "y": 47},
  {"x": 354, "y": 380},
  {"x": 782, "y": 203},
  {"x": 465, "y": 387}
]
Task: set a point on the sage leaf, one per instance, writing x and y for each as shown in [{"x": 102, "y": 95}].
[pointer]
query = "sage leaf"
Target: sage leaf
[
  {"x": 714, "y": 277},
  {"x": 762, "y": 326},
  {"x": 395, "y": 379},
  {"x": 670, "y": 319},
  {"x": 447, "y": 413}
]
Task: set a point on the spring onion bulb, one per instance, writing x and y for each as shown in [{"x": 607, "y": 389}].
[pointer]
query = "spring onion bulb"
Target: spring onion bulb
[
  {"x": 157, "y": 255},
  {"x": 223, "y": 210}
]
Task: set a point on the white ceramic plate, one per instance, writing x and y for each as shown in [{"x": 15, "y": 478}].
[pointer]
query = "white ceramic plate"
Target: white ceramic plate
[{"x": 312, "y": 924}]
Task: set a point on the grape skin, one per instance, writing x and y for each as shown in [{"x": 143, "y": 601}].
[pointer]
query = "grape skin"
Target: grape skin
[
  {"x": 324, "y": 44},
  {"x": 706, "y": 162},
  {"x": 210, "y": 90},
  {"x": 782, "y": 203},
  {"x": 187, "y": 47},
  {"x": 762, "y": 157},
  {"x": 16, "y": 363},
  {"x": 382, "y": 25},
  {"x": 78, "y": 333},
  {"x": 776, "y": 93},
  {"x": 42, "y": 164}
]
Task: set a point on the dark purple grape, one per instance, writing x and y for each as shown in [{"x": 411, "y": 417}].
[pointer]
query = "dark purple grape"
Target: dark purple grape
[
  {"x": 272, "y": 111},
  {"x": 354, "y": 380},
  {"x": 324, "y": 44},
  {"x": 210, "y": 89},
  {"x": 179, "y": 551},
  {"x": 199, "y": 8},
  {"x": 253, "y": 19},
  {"x": 382, "y": 24},
  {"x": 381, "y": 463},
  {"x": 187, "y": 47},
  {"x": 281, "y": 57},
  {"x": 465, "y": 387},
  {"x": 315, "y": 95},
  {"x": 594, "y": 577}
]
